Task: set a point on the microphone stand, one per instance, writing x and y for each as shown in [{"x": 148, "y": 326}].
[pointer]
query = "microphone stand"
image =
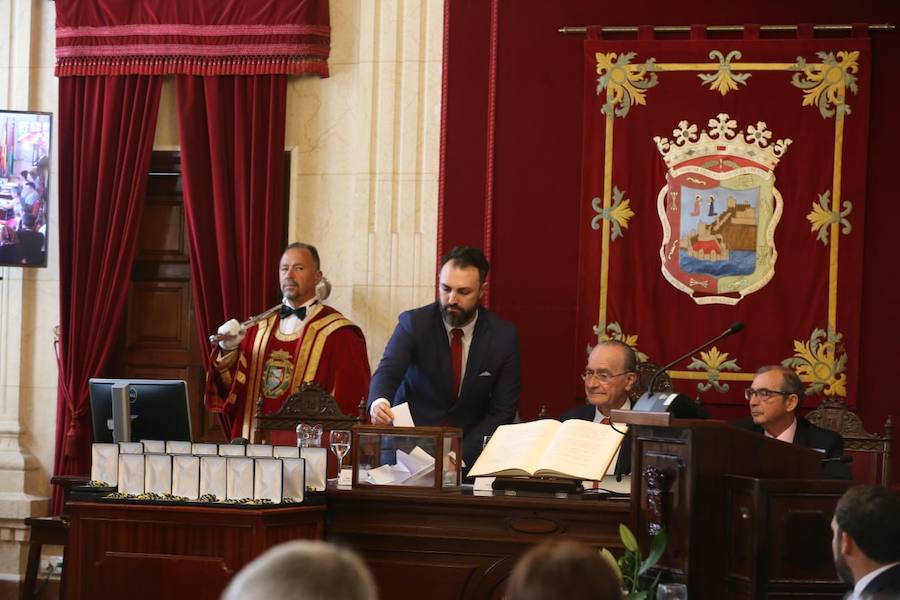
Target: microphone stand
[{"x": 649, "y": 402}]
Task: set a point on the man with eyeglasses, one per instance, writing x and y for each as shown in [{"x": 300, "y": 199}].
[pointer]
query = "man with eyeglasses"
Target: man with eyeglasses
[
  {"x": 774, "y": 397},
  {"x": 609, "y": 375}
]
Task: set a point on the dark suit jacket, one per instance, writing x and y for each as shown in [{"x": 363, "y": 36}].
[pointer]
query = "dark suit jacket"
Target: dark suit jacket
[
  {"x": 811, "y": 436},
  {"x": 416, "y": 368},
  {"x": 586, "y": 413},
  {"x": 886, "y": 585}
]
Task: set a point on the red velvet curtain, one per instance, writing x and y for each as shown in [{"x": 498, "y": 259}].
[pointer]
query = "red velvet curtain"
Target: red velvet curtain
[
  {"x": 232, "y": 152},
  {"x": 105, "y": 140}
]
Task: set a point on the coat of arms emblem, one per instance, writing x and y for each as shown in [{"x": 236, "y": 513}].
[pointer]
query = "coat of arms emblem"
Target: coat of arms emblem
[{"x": 719, "y": 209}]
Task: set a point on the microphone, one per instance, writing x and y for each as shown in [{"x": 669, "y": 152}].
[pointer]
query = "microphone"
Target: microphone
[{"x": 650, "y": 402}]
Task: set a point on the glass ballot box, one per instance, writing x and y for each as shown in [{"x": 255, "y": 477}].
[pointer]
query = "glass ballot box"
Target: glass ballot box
[{"x": 411, "y": 458}]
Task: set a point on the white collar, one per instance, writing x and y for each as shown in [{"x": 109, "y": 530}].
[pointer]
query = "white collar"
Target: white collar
[{"x": 866, "y": 579}]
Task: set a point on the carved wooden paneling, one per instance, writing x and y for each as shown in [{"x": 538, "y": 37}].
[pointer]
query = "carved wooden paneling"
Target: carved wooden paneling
[
  {"x": 467, "y": 543},
  {"x": 163, "y": 231},
  {"x": 144, "y": 551},
  {"x": 160, "y": 314}
]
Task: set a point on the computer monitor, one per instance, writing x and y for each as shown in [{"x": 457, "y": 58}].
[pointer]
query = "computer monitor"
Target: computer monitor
[{"x": 156, "y": 409}]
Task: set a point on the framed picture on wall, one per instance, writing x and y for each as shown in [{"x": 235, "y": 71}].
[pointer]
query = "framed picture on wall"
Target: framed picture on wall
[{"x": 24, "y": 187}]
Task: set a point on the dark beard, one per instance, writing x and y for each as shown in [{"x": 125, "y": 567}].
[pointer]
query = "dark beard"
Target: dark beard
[
  {"x": 843, "y": 570},
  {"x": 457, "y": 319}
]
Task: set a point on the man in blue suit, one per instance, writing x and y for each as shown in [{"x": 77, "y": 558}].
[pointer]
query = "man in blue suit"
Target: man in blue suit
[
  {"x": 453, "y": 361},
  {"x": 866, "y": 542}
]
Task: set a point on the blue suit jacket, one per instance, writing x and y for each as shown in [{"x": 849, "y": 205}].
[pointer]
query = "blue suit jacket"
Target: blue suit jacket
[{"x": 416, "y": 368}]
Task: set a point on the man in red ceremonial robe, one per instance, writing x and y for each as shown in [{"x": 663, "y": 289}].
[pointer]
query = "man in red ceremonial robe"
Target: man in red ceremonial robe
[{"x": 302, "y": 341}]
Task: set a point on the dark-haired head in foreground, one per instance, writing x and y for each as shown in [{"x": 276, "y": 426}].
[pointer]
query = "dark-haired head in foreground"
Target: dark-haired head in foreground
[{"x": 866, "y": 528}]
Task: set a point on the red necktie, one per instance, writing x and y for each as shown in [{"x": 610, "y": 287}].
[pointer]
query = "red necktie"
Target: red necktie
[
  {"x": 456, "y": 335},
  {"x": 605, "y": 421}
]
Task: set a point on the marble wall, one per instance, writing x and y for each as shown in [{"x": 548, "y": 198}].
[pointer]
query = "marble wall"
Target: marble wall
[{"x": 364, "y": 149}]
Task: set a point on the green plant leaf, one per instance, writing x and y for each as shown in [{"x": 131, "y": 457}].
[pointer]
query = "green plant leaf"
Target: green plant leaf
[
  {"x": 656, "y": 551},
  {"x": 628, "y": 538},
  {"x": 612, "y": 561}
]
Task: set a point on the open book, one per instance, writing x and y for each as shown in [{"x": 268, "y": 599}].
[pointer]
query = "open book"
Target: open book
[{"x": 547, "y": 448}]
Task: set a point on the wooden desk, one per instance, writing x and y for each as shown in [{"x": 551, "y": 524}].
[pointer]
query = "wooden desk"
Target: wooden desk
[
  {"x": 458, "y": 545},
  {"x": 138, "y": 551}
]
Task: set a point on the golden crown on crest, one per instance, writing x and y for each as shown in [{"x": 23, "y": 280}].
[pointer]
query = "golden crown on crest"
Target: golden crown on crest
[{"x": 721, "y": 139}]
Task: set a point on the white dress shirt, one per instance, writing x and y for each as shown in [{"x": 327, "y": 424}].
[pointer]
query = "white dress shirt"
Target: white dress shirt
[{"x": 293, "y": 326}]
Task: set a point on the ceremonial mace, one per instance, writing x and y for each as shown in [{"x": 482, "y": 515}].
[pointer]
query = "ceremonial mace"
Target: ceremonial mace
[{"x": 215, "y": 338}]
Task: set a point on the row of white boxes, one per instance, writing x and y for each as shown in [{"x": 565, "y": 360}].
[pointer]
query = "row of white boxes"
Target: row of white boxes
[{"x": 226, "y": 471}]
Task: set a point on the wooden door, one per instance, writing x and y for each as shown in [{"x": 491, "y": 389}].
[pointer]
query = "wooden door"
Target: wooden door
[{"x": 158, "y": 339}]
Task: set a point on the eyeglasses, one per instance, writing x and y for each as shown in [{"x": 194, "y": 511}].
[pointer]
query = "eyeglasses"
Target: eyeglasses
[
  {"x": 763, "y": 393},
  {"x": 603, "y": 376}
]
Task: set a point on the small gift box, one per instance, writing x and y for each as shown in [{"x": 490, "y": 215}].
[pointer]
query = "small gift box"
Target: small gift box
[
  {"x": 158, "y": 473},
  {"x": 286, "y": 452},
  {"x": 131, "y": 448},
  {"x": 232, "y": 450},
  {"x": 259, "y": 450},
  {"x": 205, "y": 449},
  {"x": 131, "y": 473},
  {"x": 239, "y": 478},
  {"x": 316, "y": 466},
  {"x": 176, "y": 447},
  {"x": 293, "y": 480},
  {"x": 105, "y": 463},
  {"x": 186, "y": 476},
  {"x": 154, "y": 446},
  {"x": 213, "y": 476},
  {"x": 267, "y": 479}
]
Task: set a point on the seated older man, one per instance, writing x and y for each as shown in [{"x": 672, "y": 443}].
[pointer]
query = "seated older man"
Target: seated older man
[{"x": 774, "y": 397}]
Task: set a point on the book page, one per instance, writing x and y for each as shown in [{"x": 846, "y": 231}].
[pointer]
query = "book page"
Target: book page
[
  {"x": 581, "y": 449},
  {"x": 515, "y": 448}
]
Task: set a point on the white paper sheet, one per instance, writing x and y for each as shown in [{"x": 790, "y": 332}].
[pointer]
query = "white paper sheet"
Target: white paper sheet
[{"x": 402, "y": 416}]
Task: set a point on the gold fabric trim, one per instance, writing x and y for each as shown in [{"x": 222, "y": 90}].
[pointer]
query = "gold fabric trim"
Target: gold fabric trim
[
  {"x": 309, "y": 336},
  {"x": 260, "y": 341},
  {"x": 312, "y": 365}
]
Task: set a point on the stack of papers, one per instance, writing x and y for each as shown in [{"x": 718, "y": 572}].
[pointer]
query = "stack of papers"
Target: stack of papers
[{"x": 413, "y": 468}]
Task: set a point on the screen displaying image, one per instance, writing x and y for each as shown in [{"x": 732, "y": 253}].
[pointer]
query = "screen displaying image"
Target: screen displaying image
[{"x": 24, "y": 187}]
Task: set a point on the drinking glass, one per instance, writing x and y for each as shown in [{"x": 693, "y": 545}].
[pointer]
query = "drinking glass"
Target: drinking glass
[
  {"x": 340, "y": 445},
  {"x": 671, "y": 591}
]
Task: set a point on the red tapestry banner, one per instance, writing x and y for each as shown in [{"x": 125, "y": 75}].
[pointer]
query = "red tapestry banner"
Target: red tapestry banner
[
  {"x": 173, "y": 37},
  {"x": 724, "y": 181}
]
